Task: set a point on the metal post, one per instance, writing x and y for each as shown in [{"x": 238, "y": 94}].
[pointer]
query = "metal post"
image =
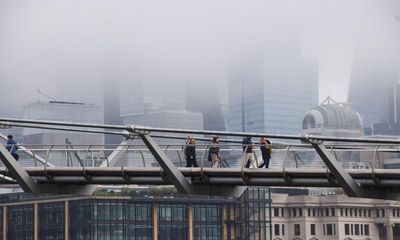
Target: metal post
[
  {"x": 176, "y": 177},
  {"x": 351, "y": 188},
  {"x": 17, "y": 172}
]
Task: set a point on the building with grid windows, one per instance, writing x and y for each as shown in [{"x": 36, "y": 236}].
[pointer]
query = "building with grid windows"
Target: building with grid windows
[
  {"x": 335, "y": 217},
  {"x": 142, "y": 217}
]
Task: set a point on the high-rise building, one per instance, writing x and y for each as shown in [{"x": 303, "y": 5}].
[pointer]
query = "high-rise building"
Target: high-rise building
[
  {"x": 269, "y": 92},
  {"x": 373, "y": 82},
  {"x": 64, "y": 112},
  {"x": 205, "y": 98},
  {"x": 143, "y": 96},
  {"x": 112, "y": 110},
  {"x": 157, "y": 104}
]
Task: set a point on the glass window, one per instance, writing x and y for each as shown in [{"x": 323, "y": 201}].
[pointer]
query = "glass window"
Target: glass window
[
  {"x": 51, "y": 221},
  {"x": 357, "y": 229},
  {"x": 312, "y": 229},
  {"x": 207, "y": 222},
  {"x": 366, "y": 229},
  {"x": 329, "y": 229},
  {"x": 173, "y": 223},
  {"x": 346, "y": 229},
  {"x": 276, "y": 212},
  {"x": 276, "y": 229},
  {"x": 20, "y": 222},
  {"x": 297, "y": 229}
]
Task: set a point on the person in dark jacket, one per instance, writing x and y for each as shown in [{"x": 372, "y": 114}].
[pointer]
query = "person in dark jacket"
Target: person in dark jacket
[
  {"x": 12, "y": 147},
  {"x": 248, "y": 152},
  {"x": 265, "y": 147},
  {"x": 190, "y": 153},
  {"x": 213, "y": 153}
]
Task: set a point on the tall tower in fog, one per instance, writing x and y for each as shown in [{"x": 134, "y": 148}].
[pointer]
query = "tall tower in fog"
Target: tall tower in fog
[
  {"x": 372, "y": 86},
  {"x": 112, "y": 108},
  {"x": 270, "y": 90}
]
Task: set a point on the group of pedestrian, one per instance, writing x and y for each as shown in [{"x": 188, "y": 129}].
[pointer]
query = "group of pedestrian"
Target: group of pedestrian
[
  {"x": 215, "y": 158},
  {"x": 248, "y": 148}
]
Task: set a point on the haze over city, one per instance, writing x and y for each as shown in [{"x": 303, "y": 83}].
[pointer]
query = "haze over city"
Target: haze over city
[{"x": 66, "y": 49}]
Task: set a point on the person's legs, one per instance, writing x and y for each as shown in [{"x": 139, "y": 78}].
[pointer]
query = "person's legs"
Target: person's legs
[
  {"x": 188, "y": 161},
  {"x": 194, "y": 162},
  {"x": 266, "y": 161},
  {"x": 252, "y": 161},
  {"x": 214, "y": 164},
  {"x": 247, "y": 157}
]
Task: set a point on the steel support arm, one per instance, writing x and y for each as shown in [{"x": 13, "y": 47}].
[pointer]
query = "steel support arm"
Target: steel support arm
[
  {"x": 351, "y": 188},
  {"x": 176, "y": 177},
  {"x": 17, "y": 172},
  {"x": 117, "y": 153}
]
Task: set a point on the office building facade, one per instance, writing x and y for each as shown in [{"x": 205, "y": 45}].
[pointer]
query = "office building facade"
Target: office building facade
[
  {"x": 124, "y": 218},
  {"x": 335, "y": 217}
]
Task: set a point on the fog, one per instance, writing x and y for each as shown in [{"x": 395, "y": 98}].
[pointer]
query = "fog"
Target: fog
[{"x": 67, "y": 49}]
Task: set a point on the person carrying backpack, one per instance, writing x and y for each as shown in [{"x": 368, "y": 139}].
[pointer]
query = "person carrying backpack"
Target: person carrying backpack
[{"x": 266, "y": 150}]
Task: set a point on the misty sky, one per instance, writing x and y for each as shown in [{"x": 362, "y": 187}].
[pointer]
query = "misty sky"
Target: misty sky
[{"x": 68, "y": 48}]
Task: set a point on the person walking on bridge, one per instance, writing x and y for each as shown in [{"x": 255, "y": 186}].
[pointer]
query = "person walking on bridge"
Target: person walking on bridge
[
  {"x": 266, "y": 150},
  {"x": 190, "y": 152},
  {"x": 248, "y": 152},
  {"x": 213, "y": 153},
  {"x": 12, "y": 147}
]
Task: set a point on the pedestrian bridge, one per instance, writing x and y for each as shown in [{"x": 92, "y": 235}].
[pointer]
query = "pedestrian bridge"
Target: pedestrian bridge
[{"x": 354, "y": 164}]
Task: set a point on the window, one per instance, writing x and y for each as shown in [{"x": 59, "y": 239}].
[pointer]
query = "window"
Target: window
[
  {"x": 308, "y": 122},
  {"x": 341, "y": 212},
  {"x": 297, "y": 229},
  {"x": 312, "y": 229},
  {"x": 357, "y": 229},
  {"x": 309, "y": 212},
  {"x": 276, "y": 230},
  {"x": 283, "y": 229},
  {"x": 333, "y": 212},
  {"x": 329, "y": 229},
  {"x": 282, "y": 212},
  {"x": 366, "y": 230},
  {"x": 294, "y": 212},
  {"x": 300, "y": 212},
  {"x": 276, "y": 212},
  {"x": 347, "y": 229},
  {"x": 313, "y": 212},
  {"x": 346, "y": 212},
  {"x": 327, "y": 212}
]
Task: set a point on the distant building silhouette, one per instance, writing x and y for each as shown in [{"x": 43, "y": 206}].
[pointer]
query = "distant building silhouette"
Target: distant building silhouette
[
  {"x": 269, "y": 91},
  {"x": 373, "y": 84},
  {"x": 112, "y": 109},
  {"x": 202, "y": 98}
]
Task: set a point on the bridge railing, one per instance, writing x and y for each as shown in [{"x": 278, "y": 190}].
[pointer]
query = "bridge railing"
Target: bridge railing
[{"x": 283, "y": 156}]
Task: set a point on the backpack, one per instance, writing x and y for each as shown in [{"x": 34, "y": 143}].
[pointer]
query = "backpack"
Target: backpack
[{"x": 270, "y": 150}]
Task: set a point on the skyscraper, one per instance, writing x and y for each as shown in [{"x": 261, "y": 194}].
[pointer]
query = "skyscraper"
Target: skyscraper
[
  {"x": 270, "y": 91},
  {"x": 372, "y": 84}
]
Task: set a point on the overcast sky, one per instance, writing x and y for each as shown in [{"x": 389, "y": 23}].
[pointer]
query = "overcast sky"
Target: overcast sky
[{"x": 70, "y": 47}]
